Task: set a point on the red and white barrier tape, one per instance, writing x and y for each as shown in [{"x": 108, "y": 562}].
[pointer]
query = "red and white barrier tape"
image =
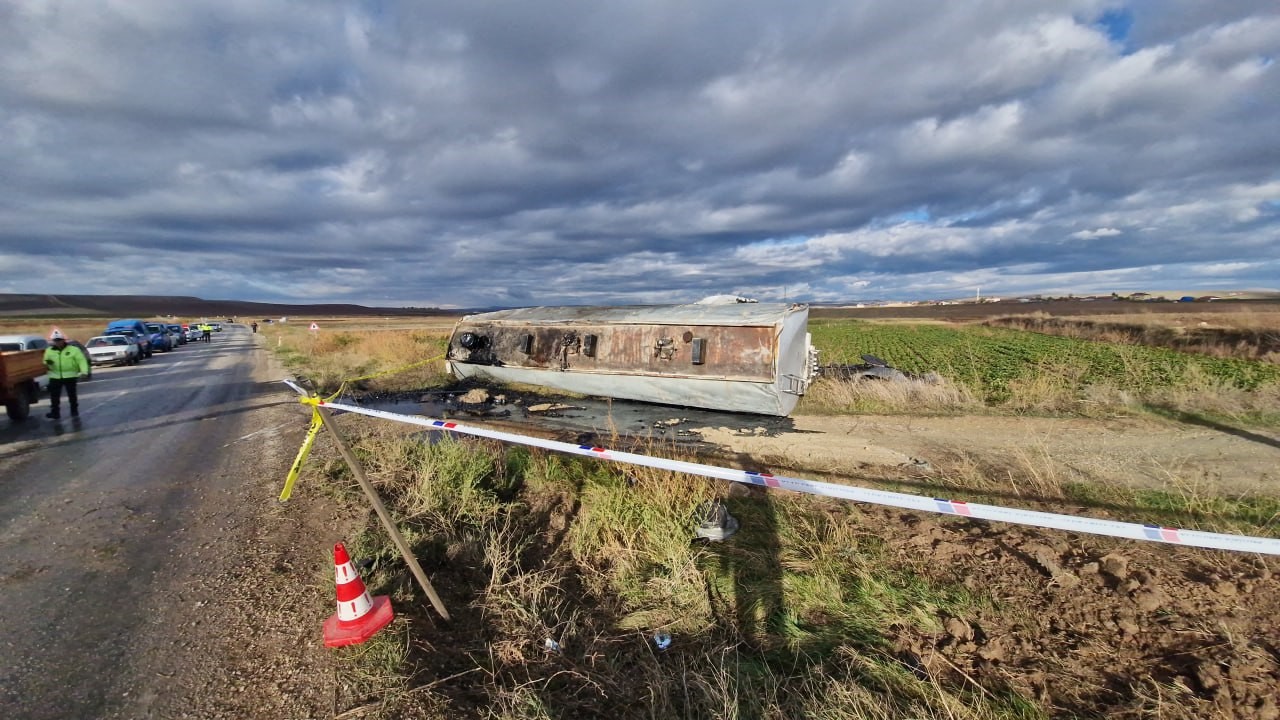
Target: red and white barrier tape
[{"x": 1072, "y": 523}]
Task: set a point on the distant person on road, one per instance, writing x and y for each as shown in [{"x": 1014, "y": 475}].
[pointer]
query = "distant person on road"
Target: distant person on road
[
  {"x": 255, "y": 327},
  {"x": 66, "y": 365},
  {"x": 206, "y": 332}
]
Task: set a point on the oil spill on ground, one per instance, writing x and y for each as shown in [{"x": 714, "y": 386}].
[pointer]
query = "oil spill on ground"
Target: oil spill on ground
[{"x": 575, "y": 418}]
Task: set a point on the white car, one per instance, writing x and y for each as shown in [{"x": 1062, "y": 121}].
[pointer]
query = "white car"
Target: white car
[
  {"x": 9, "y": 343},
  {"x": 113, "y": 350}
]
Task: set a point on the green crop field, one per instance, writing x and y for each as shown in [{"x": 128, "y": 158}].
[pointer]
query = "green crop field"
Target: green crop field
[{"x": 988, "y": 360}]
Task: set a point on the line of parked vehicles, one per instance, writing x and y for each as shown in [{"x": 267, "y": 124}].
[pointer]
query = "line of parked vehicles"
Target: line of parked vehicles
[
  {"x": 128, "y": 342},
  {"x": 123, "y": 342}
]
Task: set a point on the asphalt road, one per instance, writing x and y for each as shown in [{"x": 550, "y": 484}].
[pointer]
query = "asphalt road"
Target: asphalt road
[{"x": 99, "y": 517}]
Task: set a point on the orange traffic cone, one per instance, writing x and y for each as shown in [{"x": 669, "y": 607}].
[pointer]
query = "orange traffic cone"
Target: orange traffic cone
[{"x": 359, "y": 617}]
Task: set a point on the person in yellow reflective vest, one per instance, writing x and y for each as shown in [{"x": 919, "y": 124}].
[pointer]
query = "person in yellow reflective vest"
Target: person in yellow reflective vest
[
  {"x": 206, "y": 332},
  {"x": 66, "y": 364}
]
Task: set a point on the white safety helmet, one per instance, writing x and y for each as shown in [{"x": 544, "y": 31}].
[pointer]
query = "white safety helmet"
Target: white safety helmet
[{"x": 57, "y": 335}]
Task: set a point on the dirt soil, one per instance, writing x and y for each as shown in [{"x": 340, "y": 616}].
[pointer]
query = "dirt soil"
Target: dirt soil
[
  {"x": 1095, "y": 627},
  {"x": 1129, "y": 452}
]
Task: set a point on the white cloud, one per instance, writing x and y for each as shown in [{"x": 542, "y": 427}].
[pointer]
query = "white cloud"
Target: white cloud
[
  {"x": 988, "y": 131},
  {"x": 643, "y": 152},
  {"x": 1223, "y": 269},
  {"x": 1096, "y": 233}
]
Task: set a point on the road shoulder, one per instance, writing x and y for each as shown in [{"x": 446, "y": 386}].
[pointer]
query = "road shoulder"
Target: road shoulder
[{"x": 236, "y": 629}]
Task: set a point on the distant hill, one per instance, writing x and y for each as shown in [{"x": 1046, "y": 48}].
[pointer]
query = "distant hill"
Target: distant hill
[{"x": 18, "y": 304}]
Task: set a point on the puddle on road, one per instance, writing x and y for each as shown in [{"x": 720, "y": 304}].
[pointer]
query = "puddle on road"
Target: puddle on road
[{"x": 576, "y": 419}]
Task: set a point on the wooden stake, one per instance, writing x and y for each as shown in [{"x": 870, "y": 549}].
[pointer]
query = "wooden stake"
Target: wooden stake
[{"x": 383, "y": 515}]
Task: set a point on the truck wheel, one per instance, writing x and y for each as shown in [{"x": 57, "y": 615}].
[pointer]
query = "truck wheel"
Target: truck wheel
[{"x": 19, "y": 408}]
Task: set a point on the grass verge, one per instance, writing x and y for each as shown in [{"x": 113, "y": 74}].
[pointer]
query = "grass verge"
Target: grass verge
[
  {"x": 562, "y": 572},
  {"x": 1035, "y": 478}
]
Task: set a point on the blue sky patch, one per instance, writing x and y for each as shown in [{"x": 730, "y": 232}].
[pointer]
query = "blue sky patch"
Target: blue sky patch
[
  {"x": 1116, "y": 23},
  {"x": 918, "y": 215}
]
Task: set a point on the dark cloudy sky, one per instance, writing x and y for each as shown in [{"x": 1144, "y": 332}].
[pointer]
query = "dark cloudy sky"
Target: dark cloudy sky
[{"x": 483, "y": 153}]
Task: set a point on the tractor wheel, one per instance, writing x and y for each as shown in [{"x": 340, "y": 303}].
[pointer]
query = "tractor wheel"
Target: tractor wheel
[{"x": 19, "y": 408}]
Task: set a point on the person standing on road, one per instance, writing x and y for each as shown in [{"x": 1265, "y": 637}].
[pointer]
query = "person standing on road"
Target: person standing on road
[
  {"x": 255, "y": 328},
  {"x": 206, "y": 332},
  {"x": 66, "y": 365}
]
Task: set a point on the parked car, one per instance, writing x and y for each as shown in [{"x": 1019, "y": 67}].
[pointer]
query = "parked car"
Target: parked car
[
  {"x": 132, "y": 336},
  {"x": 179, "y": 336},
  {"x": 159, "y": 335},
  {"x": 217, "y": 327},
  {"x": 10, "y": 343},
  {"x": 138, "y": 328},
  {"x": 192, "y": 331},
  {"x": 114, "y": 350}
]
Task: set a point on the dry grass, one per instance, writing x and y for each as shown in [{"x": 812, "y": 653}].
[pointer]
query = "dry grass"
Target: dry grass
[
  {"x": 1242, "y": 335},
  {"x": 1200, "y": 393},
  {"x": 840, "y": 397},
  {"x": 1266, "y": 318},
  {"x": 1034, "y": 474},
  {"x": 348, "y": 349},
  {"x": 80, "y": 329},
  {"x": 1066, "y": 388}
]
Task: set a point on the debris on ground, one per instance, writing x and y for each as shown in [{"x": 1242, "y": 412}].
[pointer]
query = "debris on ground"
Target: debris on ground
[
  {"x": 873, "y": 368},
  {"x": 474, "y": 396},
  {"x": 551, "y": 407}
]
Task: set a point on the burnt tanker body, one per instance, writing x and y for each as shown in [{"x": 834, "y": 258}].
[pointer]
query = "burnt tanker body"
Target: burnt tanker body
[{"x": 747, "y": 357}]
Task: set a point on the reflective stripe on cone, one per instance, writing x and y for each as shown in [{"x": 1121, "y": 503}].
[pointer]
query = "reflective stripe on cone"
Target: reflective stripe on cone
[{"x": 359, "y": 616}]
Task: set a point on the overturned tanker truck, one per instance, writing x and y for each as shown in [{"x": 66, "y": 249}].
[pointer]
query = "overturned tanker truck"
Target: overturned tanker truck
[{"x": 754, "y": 358}]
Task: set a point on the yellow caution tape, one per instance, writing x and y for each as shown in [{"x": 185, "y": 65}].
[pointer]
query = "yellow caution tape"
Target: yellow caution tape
[
  {"x": 317, "y": 422},
  {"x": 393, "y": 371},
  {"x": 383, "y": 373}
]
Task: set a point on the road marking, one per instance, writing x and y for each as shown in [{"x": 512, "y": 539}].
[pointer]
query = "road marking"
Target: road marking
[
  {"x": 99, "y": 402},
  {"x": 257, "y": 432},
  {"x": 172, "y": 367}
]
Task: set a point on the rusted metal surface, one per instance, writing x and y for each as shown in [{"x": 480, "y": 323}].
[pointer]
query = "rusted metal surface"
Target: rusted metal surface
[
  {"x": 753, "y": 358},
  {"x": 738, "y": 353}
]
